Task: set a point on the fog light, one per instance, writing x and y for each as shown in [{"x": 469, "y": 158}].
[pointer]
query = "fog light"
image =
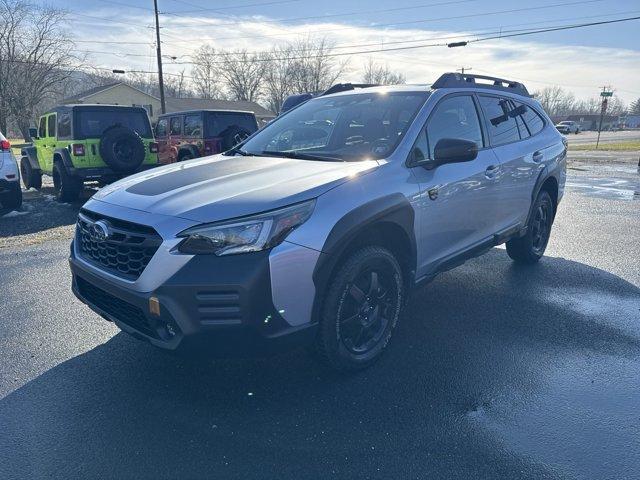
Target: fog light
[{"x": 154, "y": 306}]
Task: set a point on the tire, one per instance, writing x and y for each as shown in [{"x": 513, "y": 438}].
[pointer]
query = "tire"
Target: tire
[
  {"x": 530, "y": 248},
  {"x": 185, "y": 157},
  {"x": 67, "y": 188},
  {"x": 31, "y": 178},
  {"x": 122, "y": 149},
  {"x": 12, "y": 200},
  {"x": 361, "y": 309}
]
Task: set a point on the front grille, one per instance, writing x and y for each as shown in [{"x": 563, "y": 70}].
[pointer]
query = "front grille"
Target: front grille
[
  {"x": 115, "y": 307},
  {"x": 126, "y": 249}
]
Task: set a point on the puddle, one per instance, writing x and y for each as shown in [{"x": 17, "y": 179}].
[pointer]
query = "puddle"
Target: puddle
[
  {"x": 605, "y": 187},
  {"x": 583, "y": 421}
]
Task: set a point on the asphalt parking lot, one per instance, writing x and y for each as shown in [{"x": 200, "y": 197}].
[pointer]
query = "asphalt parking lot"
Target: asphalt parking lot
[{"x": 495, "y": 371}]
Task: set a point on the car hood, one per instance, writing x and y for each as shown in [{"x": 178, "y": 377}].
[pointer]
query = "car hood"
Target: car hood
[{"x": 221, "y": 187}]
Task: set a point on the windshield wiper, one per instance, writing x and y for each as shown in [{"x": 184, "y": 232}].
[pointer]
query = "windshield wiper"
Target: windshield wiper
[{"x": 300, "y": 155}]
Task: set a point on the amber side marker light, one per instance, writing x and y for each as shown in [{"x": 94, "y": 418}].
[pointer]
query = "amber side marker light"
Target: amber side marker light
[{"x": 154, "y": 306}]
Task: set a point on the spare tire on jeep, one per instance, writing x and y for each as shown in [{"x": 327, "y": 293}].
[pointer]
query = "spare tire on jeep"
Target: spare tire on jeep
[{"x": 122, "y": 149}]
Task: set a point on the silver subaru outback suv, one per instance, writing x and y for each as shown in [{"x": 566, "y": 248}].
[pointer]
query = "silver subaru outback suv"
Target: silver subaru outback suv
[{"x": 313, "y": 230}]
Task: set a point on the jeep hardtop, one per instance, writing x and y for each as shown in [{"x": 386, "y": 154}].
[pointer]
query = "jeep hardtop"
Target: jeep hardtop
[{"x": 79, "y": 143}]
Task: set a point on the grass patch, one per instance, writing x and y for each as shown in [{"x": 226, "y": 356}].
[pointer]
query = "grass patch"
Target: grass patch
[{"x": 629, "y": 146}]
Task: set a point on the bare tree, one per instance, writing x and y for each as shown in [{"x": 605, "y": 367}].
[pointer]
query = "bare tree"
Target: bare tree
[
  {"x": 243, "y": 74},
  {"x": 315, "y": 68},
  {"x": 36, "y": 58},
  {"x": 279, "y": 76},
  {"x": 556, "y": 101},
  {"x": 381, "y": 74},
  {"x": 634, "y": 108},
  {"x": 206, "y": 73}
]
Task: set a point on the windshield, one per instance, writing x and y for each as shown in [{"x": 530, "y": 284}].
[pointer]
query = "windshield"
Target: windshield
[
  {"x": 91, "y": 123},
  {"x": 343, "y": 128}
]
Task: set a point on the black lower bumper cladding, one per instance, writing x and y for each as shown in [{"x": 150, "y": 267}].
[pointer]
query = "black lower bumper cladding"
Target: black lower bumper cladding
[{"x": 214, "y": 306}]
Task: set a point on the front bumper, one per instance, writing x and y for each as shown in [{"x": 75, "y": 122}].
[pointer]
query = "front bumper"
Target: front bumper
[
  {"x": 7, "y": 185},
  {"x": 212, "y": 306},
  {"x": 106, "y": 172}
]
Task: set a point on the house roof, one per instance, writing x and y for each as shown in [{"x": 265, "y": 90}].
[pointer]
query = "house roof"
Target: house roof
[
  {"x": 78, "y": 98},
  {"x": 183, "y": 104}
]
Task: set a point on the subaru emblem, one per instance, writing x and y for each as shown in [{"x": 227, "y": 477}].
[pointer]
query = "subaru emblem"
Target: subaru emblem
[{"x": 99, "y": 231}]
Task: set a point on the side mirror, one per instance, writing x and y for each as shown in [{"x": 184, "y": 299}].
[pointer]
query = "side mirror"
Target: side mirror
[
  {"x": 33, "y": 132},
  {"x": 454, "y": 150}
]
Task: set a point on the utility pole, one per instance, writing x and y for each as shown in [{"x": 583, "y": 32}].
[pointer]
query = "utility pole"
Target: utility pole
[
  {"x": 603, "y": 108},
  {"x": 461, "y": 70},
  {"x": 163, "y": 106}
]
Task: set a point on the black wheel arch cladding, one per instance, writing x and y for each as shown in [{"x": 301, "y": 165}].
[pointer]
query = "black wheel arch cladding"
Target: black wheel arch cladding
[
  {"x": 31, "y": 154},
  {"x": 392, "y": 209}
]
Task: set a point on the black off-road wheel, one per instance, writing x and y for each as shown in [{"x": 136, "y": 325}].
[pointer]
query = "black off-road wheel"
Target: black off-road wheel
[
  {"x": 361, "y": 309},
  {"x": 67, "y": 188},
  {"x": 12, "y": 199},
  {"x": 530, "y": 248},
  {"x": 31, "y": 178}
]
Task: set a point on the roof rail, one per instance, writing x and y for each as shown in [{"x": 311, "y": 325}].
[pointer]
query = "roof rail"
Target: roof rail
[
  {"x": 467, "y": 80},
  {"x": 343, "y": 87}
]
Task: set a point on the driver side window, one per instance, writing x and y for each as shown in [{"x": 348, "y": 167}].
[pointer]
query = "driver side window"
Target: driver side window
[{"x": 454, "y": 117}]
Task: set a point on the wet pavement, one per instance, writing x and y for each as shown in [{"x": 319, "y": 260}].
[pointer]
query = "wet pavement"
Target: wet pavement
[
  {"x": 495, "y": 371},
  {"x": 610, "y": 181}
]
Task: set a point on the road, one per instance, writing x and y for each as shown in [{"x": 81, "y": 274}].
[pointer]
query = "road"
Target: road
[
  {"x": 496, "y": 371},
  {"x": 605, "y": 137}
]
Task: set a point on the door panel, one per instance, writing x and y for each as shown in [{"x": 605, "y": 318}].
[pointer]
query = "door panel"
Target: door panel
[
  {"x": 457, "y": 201},
  {"x": 456, "y": 207},
  {"x": 520, "y": 152}
]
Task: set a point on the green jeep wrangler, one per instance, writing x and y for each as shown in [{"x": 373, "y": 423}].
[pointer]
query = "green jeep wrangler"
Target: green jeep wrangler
[{"x": 79, "y": 143}]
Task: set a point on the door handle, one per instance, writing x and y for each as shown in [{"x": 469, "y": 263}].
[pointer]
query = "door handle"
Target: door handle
[
  {"x": 538, "y": 156},
  {"x": 491, "y": 171}
]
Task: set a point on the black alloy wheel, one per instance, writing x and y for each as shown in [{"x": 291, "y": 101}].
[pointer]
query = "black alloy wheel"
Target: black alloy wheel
[{"x": 361, "y": 309}]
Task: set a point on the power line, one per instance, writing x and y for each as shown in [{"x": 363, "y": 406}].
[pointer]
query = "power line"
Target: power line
[
  {"x": 488, "y": 30},
  {"x": 411, "y": 22},
  {"x": 336, "y": 15},
  {"x": 411, "y": 47}
]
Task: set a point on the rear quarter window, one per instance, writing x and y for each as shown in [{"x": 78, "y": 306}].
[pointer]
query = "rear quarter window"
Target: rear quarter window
[
  {"x": 193, "y": 125},
  {"x": 64, "y": 125},
  {"x": 501, "y": 123},
  {"x": 533, "y": 120}
]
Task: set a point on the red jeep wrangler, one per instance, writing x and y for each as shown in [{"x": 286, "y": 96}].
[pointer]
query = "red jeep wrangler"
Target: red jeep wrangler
[{"x": 198, "y": 133}]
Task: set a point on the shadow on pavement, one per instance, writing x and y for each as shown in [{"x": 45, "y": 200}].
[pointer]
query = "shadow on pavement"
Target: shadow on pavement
[
  {"x": 41, "y": 211},
  {"x": 474, "y": 337}
]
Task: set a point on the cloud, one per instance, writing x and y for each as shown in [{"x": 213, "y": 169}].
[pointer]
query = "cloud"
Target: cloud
[{"x": 583, "y": 70}]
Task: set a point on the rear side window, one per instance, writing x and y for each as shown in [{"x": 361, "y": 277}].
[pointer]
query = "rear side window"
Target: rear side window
[
  {"x": 454, "y": 117},
  {"x": 175, "y": 126},
  {"x": 51, "y": 125},
  {"x": 42, "y": 129},
  {"x": 193, "y": 125},
  {"x": 64, "y": 126},
  {"x": 531, "y": 118},
  {"x": 501, "y": 121},
  {"x": 161, "y": 128},
  {"x": 219, "y": 123}
]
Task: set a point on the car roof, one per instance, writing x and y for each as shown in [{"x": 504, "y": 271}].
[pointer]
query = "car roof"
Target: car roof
[
  {"x": 74, "y": 106},
  {"x": 202, "y": 110}
]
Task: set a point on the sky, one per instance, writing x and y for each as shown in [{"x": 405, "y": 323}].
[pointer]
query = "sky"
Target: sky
[{"x": 580, "y": 60}]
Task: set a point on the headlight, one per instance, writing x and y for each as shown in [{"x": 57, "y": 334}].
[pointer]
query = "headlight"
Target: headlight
[{"x": 248, "y": 234}]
